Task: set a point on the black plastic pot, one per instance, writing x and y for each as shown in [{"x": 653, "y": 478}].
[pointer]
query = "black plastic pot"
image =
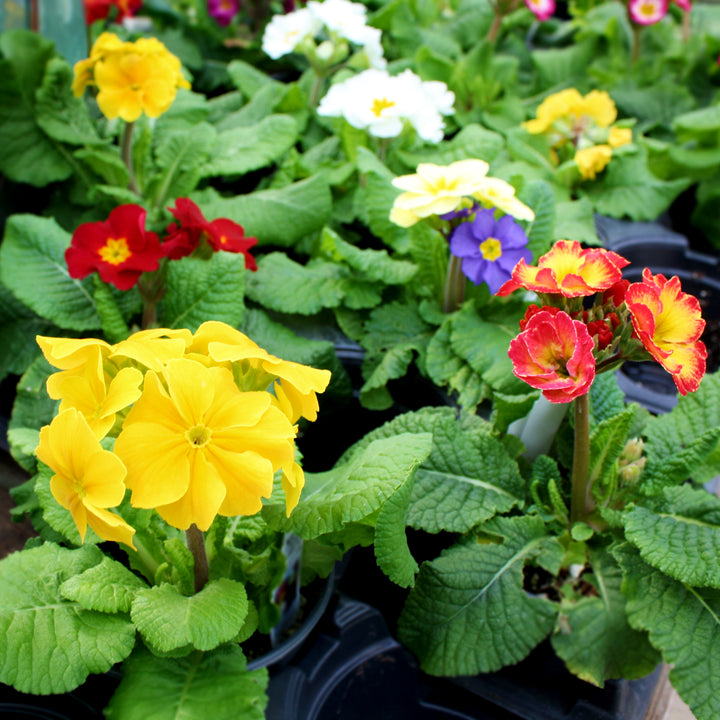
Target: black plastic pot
[{"x": 664, "y": 251}]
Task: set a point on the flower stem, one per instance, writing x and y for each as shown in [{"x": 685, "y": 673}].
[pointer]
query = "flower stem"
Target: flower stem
[
  {"x": 196, "y": 544},
  {"x": 454, "y": 285},
  {"x": 316, "y": 88},
  {"x": 126, "y": 153},
  {"x": 580, "y": 502}
]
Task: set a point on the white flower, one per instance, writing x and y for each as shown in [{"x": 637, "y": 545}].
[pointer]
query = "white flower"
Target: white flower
[
  {"x": 343, "y": 17},
  {"x": 285, "y": 32},
  {"x": 381, "y": 104}
]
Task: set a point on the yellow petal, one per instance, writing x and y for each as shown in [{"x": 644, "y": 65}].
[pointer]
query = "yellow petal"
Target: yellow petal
[
  {"x": 293, "y": 481},
  {"x": 110, "y": 527},
  {"x": 248, "y": 477}
]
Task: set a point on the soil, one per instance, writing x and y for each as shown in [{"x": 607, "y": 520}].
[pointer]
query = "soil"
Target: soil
[{"x": 12, "y": 534}]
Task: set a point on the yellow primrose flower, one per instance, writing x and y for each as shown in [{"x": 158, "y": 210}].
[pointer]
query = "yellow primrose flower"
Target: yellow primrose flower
[
  {"x": 295, "y": 385},
  {"x": 84, "y": 70},
  {"x": 500, "y": 194},
  {"x": 202, "y": 447},
  {"x": 593, "y": 160},
  {"x": 153, "y": 348},
  {"x": 87, "y": 479},
  {"x": 599, "y": 106},
  {"x": 71, "y": 353},
  {"x": 551, "y": 108},
  {"x": 93, "y": 393},
  {"x": 619, "y": 136},
  {"x": 436, "y": 190}
]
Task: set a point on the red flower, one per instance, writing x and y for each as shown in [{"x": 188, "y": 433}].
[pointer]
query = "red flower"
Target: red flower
[
  {"x": 193, "y": 228},
  {"x": 669, "y": 324},
  {"x": 616, "y": 293},
  {"x": 554, "y": 354},
  {"x": 534, "y": 310},
  {"x": 603, "y": 332},
  {"x": 119, "y": 249},
  {"x": 100, "y": 9}
]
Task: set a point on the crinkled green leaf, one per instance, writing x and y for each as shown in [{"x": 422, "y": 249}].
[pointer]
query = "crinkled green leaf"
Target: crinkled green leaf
[
  {"x": 106, "y": 163},
  {"x": 282, "y": 284},
  {"x": 594, "y": 637},
  {"x": 429, "y": 251},
  {"x": 32, "y": 255},
  {"x": 106, "y": 587},
  {"x": 278, "y": 216},
  {"x": 243, "y": 149},
  {"x": 354, "y": 490},
  {"x": 200, "y": 290},
  {"x": 681, "y": 537},
  {"x": 51, "y": 644},
  {"x": 196, "y": 687},
  {"x": 606, "y": 398},
  {"x": 168, "y": 620},
  {"x": 575, "y": 220},
  {"x": 683, "y": 623},
  {"x": 538, "y": 195},
  {"x": 607, "y": 442},
  {"x": 114, "y": 326},
  {"x": 468, "y": 612}
]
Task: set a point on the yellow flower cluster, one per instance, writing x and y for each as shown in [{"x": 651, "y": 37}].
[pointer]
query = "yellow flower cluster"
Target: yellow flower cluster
[
  {"x": 131, "y": 77},
  {"x": 585, "y": 123},
  {"x": 201, "y": 422}
]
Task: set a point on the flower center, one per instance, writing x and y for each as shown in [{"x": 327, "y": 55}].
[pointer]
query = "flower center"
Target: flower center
[
  {"x": 198, "y": 436},
  {"x": 115, "y": 251},
  {"x": 491, "y": 249},
  {"x": 380, "y": 104},
  {"x": 648, "y": 9}
]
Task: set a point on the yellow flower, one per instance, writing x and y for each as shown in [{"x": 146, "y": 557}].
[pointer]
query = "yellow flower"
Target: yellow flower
[
  {"x": 70, "y": 353},
  {"x": 87, "y": 479},
  {"x": 436, "y": 190},
  {"x": 153, "y": 348},
  {"x": 593, "y": 160},
  {"x": 202, "y": 447},
  {"x": 598, "y": 105},
  {"x": 501, "y": 194},
  {"x": 131, "y": 78},
  {"x": 619, "y": 136},
  {"x": 552, "y": 108}
]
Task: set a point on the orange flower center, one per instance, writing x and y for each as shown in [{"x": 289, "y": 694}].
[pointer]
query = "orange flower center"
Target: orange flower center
[
  {"x": 198, "y": 436},
  {"x": 115, "y": 251},
  {"x": 491, "y": 249}
]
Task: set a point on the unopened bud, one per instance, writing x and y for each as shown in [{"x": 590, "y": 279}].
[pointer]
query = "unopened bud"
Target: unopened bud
[
  {"x": 630, "y": 474},
  {"x": 632, "y": 451}
]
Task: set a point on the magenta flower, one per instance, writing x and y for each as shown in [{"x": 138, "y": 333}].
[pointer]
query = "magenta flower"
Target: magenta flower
[
  {"x": 542, "y": 9},
  {"x": 223, "y": 11},
  {"x": 490, "y": 248},
  {"x": 647, "y": 12}
]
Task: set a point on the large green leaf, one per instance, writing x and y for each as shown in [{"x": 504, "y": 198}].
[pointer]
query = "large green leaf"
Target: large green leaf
[
  {"x": 468, "y": 612},
  {"x": 200, "y": 290},
  {"x": 168, "y": 620},
  {"x": 197, "y": 687},
  {"x": 51, "y": 644},
  {"x": 32, "y": 266},
  {"x": 681, "y": 537},
  {"x": 594, "y": 637},
  {"x": 683, "y": 623}
]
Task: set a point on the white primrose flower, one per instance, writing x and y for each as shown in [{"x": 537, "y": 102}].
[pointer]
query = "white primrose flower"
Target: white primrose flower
[
  {"x": 285, "y": 32},
  {"x": 346, "y": 19},
  {"x": 381, "y": 104}
]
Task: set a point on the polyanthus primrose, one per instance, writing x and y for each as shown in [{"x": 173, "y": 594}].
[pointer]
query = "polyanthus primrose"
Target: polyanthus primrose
[
  {"x": 563, "y": 344},
  {"x": 200, "y": 422}
]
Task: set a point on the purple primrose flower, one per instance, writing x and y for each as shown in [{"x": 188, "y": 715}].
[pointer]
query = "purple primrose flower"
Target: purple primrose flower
[
  {"x": 223, "y": 11},
  {"x": 490, "y": 248}
]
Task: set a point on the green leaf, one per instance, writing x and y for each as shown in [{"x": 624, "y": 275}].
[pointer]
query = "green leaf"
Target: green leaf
[
  {"x": 376, "y": 196},
  {"x": 168, "y": 620},
  {"x": 594, "y": 637},
  {"x": 114, "y": 326},
  {"x": 276, "y": 217},
  {"x": 51, "y": 644},
  {"x": 607, "y": 441},
  {"x": 106, "y": 163},
  {"x": 683, "y": 623},
  {"x": 200, "y": 290},
  {"x": 106, "y": 587},
  {"x": 249, "y": 148},
  {"x": 285, "y": 285},
  {"x": 429, "y": 251},
  {"x": 354, "y": 490},
  {"x": 682, "y": 537},
  {"x": 197, "y": 687},
  {"x": 538, "y": 195},
  {"x": 702, "y": 124},
  {"x": 575, "y": 220},
  {"x": 468, "y": 612},
  {"x": 32, "y": 256}
]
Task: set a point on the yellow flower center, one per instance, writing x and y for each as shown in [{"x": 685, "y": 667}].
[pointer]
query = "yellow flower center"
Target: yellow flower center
[
  {"x": 380, "y": 104},
  {"x": 198, "y": 436},
  {"x": 78, "y": 487},
  {"x": 491, "y": 249},
  {"x": 115, "y": 251},
  {"x": 648, "y": 10}
]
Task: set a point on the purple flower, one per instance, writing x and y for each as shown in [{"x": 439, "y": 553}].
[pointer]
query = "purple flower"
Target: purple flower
[
  {"x": 490, "y": 248},
  {"x": 223, "y": 11}
]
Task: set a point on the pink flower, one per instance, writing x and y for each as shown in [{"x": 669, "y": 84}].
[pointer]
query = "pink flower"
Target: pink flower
[
  {"x": 554, "y": 353},
  {"x": 542, "y": 9},
  {"x": 647, "y": 12},
  {"x": 223, "y": 11}
]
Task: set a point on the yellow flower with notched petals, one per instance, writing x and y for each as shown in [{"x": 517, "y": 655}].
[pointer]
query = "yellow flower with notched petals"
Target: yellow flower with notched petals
[
  {"x": 84, "y": 70},
  {"x": 195, "y": 446},
  {"x": 619, "y": 136},
  {"x": 558, "y": 105},
  {"x": 87, "y": 479},
  {"x": 593, "y": 160}
]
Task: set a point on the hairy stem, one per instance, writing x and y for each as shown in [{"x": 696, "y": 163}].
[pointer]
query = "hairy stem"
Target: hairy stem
[
  {"x": 126, "y": 153},
  {"x": 196, "y": 544},
  {"x": 454, "y": 285},
  {"x": 580, "y": 492}
]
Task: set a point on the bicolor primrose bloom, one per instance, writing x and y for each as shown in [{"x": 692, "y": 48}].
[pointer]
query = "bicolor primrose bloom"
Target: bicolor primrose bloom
[
  {"x": 568, "y": 269},
  {"x": 120, "y": 249},
  {"x": 647, "y": 12},
  {"x": 132, "y": 78},
  {"x": 554, "y": 354},
  {"x": 100, "y": 9},
  {"x": 490, "y": 248},
  {"x": 383, "y": 104},
  {"x": 542, "y": 9},
  {"x": 87, "y": 479},
  {"x": 669, "y": 324}
]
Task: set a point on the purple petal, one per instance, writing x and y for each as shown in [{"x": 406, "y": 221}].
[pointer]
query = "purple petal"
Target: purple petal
[
  {"x": 511, "y": 232},
  {"x": 496, "y": 276},
  {"x": 510, "y": 258},
  {"x": 473, "y": 269},
  {"x": 463, "y": 242},
  {"x": 484, "y": 225}
]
